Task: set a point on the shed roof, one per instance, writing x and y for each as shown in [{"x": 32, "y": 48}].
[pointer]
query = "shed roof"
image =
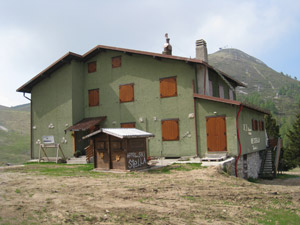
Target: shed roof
[
  {"x": 231, "y": 102},
  {"x": 70, "y": 56},
  {"x": 86, "y": 123},
  {"x": 122, "y": 133}
]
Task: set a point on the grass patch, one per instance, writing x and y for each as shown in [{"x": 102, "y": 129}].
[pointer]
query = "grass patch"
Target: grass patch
[
  {"x": 252, "y": 180},
  {"x": 278, "y": 216},
  {"x": 177, "y": 167},
  {"x": 286, "y": 176},
  {"x": 18, "y": 191}
]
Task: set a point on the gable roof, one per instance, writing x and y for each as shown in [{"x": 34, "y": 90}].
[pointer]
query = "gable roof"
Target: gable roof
[
  {"x": 122, "y": 133},
  {"x": 94, "y": 51}
]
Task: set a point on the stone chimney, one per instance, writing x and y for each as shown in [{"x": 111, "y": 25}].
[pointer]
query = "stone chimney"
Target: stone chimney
[
  {"x": 201, "y": 50},
  {"x": 167, "y": 46}
]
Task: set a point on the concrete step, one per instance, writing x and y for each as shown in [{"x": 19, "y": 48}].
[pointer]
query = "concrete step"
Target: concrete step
[
  {"x": 216, "y": 157},
  {"x": 79, "y": 160}
]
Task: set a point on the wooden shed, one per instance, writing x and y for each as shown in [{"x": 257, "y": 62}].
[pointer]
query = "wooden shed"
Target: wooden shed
[{"x": 120, "y": 148}]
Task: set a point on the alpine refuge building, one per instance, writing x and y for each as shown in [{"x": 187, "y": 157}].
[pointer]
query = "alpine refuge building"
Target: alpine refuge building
[{"x": 188, "y": 105}]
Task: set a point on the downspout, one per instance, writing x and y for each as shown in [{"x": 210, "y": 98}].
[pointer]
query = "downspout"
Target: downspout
[
  {"x": 31, "y": 143},
  {"x": 195, "y": 119},
  {"x": 239, "y": 140}
]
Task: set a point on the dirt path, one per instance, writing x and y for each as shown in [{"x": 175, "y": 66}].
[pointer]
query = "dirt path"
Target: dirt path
[{"x": 196, "y": 197}]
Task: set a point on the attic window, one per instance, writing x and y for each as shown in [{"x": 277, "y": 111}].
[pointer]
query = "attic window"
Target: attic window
[
  {"x": 128, "y": 125},
  {"x": 221, "y": 91},
  {"x": 168, "y": 87},
  {"x": 94, "y": 97},
  {"x": 170, "y": 129},
  {"x": 116, "y": 61},
  {"x": 126, "y": 93},
  {"x": 92, "y": 67},
  {"x": 231, "y": 94}
]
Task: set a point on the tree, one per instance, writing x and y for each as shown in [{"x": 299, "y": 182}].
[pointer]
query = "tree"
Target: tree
[
  {"x": 271, "y": 127},
  {"x": 291, "y": 155}
]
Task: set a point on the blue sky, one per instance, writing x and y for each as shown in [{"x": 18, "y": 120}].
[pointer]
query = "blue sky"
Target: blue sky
[{"x": 35, "y": 33}]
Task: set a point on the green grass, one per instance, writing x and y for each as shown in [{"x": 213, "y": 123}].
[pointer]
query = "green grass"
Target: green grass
[
  {"x": 278, "y": 217},
  {"x": 177, "y": 167},
  {"x": 14, "y": 148},
  {"x": 286, "y": 176},
  {"x": 53, "y": 169}
]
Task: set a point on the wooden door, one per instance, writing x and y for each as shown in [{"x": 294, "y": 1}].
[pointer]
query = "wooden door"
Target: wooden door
[{"x": 216, "y": 134}]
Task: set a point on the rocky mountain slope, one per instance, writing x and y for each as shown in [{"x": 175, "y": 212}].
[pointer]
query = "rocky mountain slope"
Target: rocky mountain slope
[{"x": 265, "y": 86}]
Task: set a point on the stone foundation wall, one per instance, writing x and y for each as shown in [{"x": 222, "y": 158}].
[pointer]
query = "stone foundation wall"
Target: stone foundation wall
[{"x": 248, "y": 166}]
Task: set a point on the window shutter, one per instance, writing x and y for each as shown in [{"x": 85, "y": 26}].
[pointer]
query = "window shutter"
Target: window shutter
[
  {"x": 94, "y": 97},
  {"x": 168, "y": 87},
  {"x": 126, "y": 93},
  {"x": 221, "y": 91},
  {"x": 170, "y": 130},
  {"x": 116, "y": 61},
  {"x": 92, "y": 67},
  {"x": 128, "y": 125}
]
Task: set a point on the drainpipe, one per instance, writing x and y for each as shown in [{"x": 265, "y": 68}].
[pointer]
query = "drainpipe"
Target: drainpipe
[
  {"x": 195, "y": 119},
  {"x": 239, "y": 140},
  {"x": 31, "y": 143}
]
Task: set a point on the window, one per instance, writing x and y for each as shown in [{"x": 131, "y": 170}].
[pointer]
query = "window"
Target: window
[
  {"x": 168, "y": 87},
  {"x": 116, "y": 61},
  {"x": 221, "y": 91},
  {"x": 92, "y": 67},
  {"x": 128, "y": 125},
  {"x": 170, "y": 129},
  {"x": 94, "y": 97},
  {"x": 210, "y": 88},
  {"x": 261, "y": 125},
  {"x": 231, "y": 94},
  {"x": 126, "y": 93},
  {"x": 254, "y": 125}
]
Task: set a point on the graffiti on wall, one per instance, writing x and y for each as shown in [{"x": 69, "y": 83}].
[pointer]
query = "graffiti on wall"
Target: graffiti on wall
[{"x": 136, "y": 159}]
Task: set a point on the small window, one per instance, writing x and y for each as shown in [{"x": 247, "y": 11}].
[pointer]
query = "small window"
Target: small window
[
  {"x": 254, "y": 125},
  {"x": 126, "y": 93},
  {"x": 261, "y": 125},
  {"x": 221, "y": 91},
  {"x": 168, "y": 87},
  {"x": 92, "y": 67},
  {"x": 210, "y": 88},
  {"x": 231, "y": 94},
  {"x": 128, "y": 125},
  {"x": 116, "y": 62},
  {"x": 94, "y": 97},
  {"x": 170, "y": 129}
]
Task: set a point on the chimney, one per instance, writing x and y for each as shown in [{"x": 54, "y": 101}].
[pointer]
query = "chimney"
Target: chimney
[
  {"x": 201, "y": 50},
  {"x": 167, "y": 46}
]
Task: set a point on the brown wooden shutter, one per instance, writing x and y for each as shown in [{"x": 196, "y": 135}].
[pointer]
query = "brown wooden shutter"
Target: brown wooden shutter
[
  {"x": 116, "y": 61},
  {"x": 168, "y": 87},
  {"x": 92, "y": 67},
  {"x": 128, "y": 125},
  {"x": 94, "y": 97},
  {"x": 170, "y": 130},
  {"x": 126, "y": 93}
]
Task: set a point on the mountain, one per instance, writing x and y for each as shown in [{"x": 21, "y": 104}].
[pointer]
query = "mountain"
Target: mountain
[
  {"x": 14, "y": 134},
  {"x": 265, "y": 87}
]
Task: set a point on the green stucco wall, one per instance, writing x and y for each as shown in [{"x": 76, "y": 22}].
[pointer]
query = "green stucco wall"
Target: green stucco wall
[
  {"x": 62, "y": 99},
  {"x": 207, "y": 108},
  {"x": 251, "y": 141},
  {"x": 144, "y": 72},
  {"x": 52, "y": 104}
]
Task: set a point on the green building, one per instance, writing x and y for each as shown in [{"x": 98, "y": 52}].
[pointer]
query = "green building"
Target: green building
[{"x": 189, "y": 105}]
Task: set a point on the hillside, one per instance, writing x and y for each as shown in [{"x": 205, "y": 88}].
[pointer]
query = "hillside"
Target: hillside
[
  {"x": 265, "y": 87},
  {"x": 14, "y": 134}
]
